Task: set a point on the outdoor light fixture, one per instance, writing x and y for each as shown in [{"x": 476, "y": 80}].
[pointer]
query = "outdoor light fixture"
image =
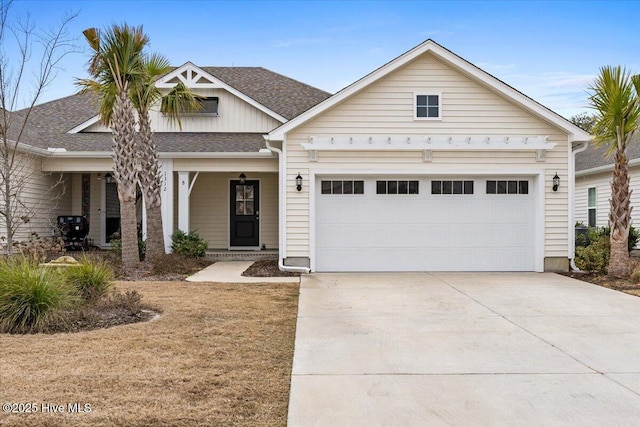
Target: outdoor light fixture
[
  {"x": 299, "y": 182},
  {"x": 242, "y": 178},
  {"x": 108, "y": 178},
  {"x": 556, "y": 182}
]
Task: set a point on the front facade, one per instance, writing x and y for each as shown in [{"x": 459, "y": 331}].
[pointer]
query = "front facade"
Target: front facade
[{"x": 428, "y": 163}]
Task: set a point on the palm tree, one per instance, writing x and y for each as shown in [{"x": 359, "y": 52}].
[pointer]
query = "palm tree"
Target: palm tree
[
  {"x": 145, "y": 96},
  {"x": 616, "y": 101},
  {"x": 117, "y": 67}
]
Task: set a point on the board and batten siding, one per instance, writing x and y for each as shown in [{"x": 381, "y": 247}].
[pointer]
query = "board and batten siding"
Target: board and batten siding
[
  {"x": 235, "y": 115},
  {"x": 386, "y": 108},
  {"x": 209, "y": 208},
  {"x": 602, "y": 182}
]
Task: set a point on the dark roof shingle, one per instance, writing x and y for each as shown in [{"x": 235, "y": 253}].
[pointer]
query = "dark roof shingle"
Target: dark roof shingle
[
  {"x": 594, "y": 157},
  {"x": 49, "y": 123}
]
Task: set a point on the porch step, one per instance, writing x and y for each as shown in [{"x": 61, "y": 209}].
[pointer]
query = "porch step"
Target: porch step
[{"x": 223, "y": 255}]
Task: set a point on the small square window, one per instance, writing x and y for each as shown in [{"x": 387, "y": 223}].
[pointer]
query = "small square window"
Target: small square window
[
  {"x": 413, "y": 187},
  {"x": 358, "y": 187},
  {"x": 468, "y": 187},
  {"x": 381, "y": 187},
  {"x": 457, "y": 187},
  {"x": 446, "y": 187},
  {"x": 491, "y": 187},
  {"x": 403, "y": 187},
  {"x": 502, "y": 187},
  {"x": 523, "y": 187},
  {"x": 347, "y": 187},
  {"x": 512, "y": 187},
  {"x": 436, "y": 187},
  {"x": 336, "y": 187},
  {"x": 326, "y": 187},
  {"x": 427, "y": 106},
  {"x": 392, "y": 187}
]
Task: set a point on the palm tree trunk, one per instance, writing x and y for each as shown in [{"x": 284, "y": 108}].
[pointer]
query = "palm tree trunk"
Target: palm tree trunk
[
  {"x": 125, "y": 174},
  {"x": 619, "y": 217},
  {"x": 150, "y": 181}
]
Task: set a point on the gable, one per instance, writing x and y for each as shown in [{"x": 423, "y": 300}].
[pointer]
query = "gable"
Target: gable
[
  {"x": 467, "y": 107},
  {"x": 452, "y": 62}
]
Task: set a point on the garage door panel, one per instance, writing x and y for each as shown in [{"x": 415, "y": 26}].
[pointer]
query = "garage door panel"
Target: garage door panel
[{"x": 473, "y": 232}]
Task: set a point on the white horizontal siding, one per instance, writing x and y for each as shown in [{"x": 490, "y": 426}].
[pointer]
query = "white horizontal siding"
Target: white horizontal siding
[
  {"x": 602, "y": 182},
  {"x": 386, "y": 108},
  {"x": 209, "y": 208}
]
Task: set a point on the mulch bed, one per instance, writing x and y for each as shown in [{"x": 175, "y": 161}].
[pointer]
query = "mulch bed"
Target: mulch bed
[
  {"x": 600, "y": 279},
  {"x": 267, "y": 268}
]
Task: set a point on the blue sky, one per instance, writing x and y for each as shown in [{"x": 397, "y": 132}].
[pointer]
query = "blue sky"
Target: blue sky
[{"x": 550, "y": 50}]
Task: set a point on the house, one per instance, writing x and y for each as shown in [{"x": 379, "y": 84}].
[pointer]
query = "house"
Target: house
[
  {"x": 427, "y": 163},
  {"x": 593, "y": 184}
]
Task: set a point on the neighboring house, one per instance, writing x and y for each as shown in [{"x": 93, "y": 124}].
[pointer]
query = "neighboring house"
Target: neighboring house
[
  {"x": 594, "y": 171},
  {"x": 427, "y": 163}
]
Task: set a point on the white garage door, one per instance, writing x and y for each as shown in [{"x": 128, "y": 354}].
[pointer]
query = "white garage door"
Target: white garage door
[{"x": 424, "y": 224}]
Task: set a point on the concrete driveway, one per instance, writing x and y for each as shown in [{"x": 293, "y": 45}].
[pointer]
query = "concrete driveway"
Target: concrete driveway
[{"x": 463, "y": 349}]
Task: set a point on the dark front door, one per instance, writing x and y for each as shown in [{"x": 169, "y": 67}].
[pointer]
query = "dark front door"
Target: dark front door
[{"x": 244, "y": 226}]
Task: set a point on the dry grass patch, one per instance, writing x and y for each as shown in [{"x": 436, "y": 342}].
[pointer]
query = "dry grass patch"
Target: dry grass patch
[{"x": 220, "y": 354}]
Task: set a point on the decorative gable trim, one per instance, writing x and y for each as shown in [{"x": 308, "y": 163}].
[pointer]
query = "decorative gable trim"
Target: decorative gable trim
[
  {"x": 452, "y": 60},
  {"x": 196, "y": 78}
]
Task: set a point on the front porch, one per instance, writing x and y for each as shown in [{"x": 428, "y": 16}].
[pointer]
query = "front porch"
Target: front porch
[{"x": 231, "y": 203}]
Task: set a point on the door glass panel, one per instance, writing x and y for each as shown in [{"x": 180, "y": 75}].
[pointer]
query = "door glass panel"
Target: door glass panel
[{"x": 244, "y": 200}]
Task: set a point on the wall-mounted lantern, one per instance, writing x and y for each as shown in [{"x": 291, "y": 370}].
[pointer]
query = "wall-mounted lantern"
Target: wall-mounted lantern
[
  {"x": 556, "y": 182},
  {"x": 299, "y": 182},
  {"x": 242, "y": 178}
]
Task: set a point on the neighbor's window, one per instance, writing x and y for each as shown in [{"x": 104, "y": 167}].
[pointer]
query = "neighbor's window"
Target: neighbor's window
[
  {"x": 397, "y": 187},
  {"x": 591, "y": 206},
  {"x": 342, "y": 187},
  {"x": 451, "y": 187},
  {"x": 507, "y": 187},
  {"x": 427, "y": 107}
]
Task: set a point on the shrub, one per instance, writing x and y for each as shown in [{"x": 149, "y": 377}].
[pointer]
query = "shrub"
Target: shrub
[
  {"x": 191, "y": 244},
  {"x": 31, "y": 297},
  {"x": 594, "y": 257},
  {"x": 594, "y": 233},
  {"x": 91, "y": 278}
]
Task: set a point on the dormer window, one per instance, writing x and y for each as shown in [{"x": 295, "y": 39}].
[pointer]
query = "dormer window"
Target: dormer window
[
  {"x": 428, "y": 106},
  {"x": 209, "y": 105}
]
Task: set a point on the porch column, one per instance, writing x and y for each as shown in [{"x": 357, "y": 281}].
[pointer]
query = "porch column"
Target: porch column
[
  {"x": 166, "y": 194},
  {"x": 183, "y": 201}
]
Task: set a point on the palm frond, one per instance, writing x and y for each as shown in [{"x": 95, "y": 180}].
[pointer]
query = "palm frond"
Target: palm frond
[
  {"x": 180, "y": 100},
  {"x": 617, "y": 109}
]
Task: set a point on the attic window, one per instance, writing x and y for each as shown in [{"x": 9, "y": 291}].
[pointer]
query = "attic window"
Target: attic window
[
  {"x": 427, "y": 106},
  {"x": 209, "y": 105}
]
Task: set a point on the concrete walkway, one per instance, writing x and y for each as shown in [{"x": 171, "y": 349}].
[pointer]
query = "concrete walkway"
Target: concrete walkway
[
  {"x": 231, "y": 272},
  {"x": 431, "y": 349}
]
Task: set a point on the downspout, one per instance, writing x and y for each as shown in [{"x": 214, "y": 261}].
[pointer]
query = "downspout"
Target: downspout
[
  {"x": 282, "y": 178},
  {"x": 572, "y": 190}
]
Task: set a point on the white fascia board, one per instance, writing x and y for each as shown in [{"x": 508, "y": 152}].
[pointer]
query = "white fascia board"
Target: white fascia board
[
  {"x": 426, "y": 142},
  {"x": 82, "y": 126},
  {"x": 216, "y": 84},
  {"x": 574, "y": 132}
]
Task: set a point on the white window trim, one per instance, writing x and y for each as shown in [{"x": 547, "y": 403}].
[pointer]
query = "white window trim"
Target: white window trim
[
  {"x": 594, "y": 207},
  {"x": 415, "y": 105}
]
